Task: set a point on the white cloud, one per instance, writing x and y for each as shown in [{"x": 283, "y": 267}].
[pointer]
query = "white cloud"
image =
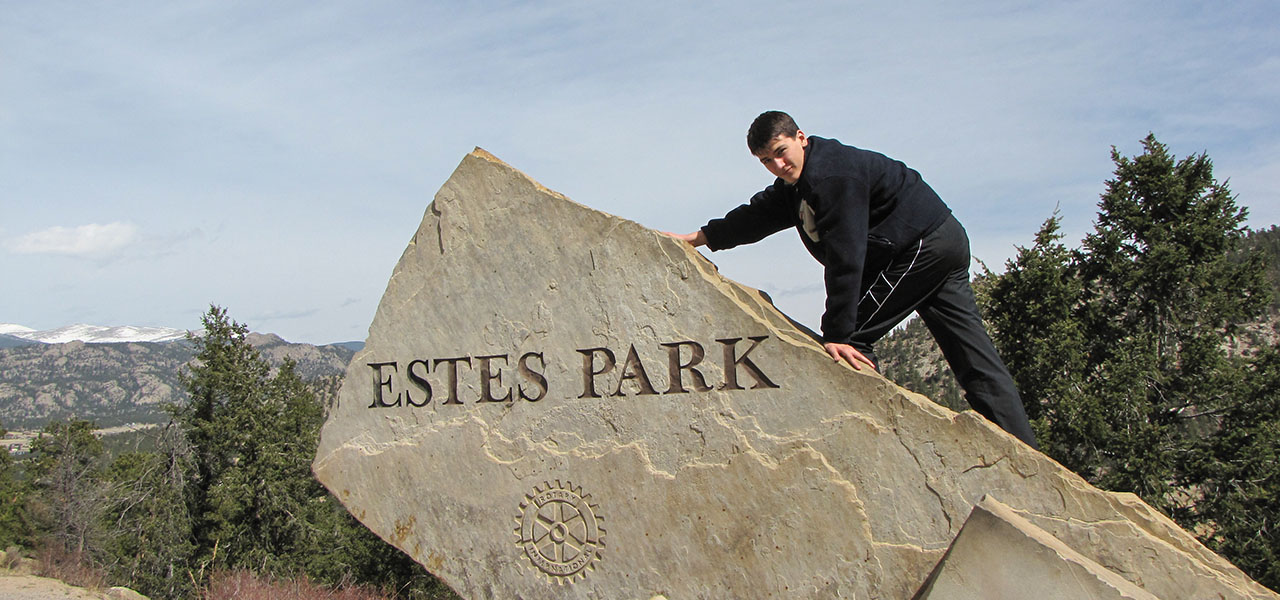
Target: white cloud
[{"x": 92, "y": 240}]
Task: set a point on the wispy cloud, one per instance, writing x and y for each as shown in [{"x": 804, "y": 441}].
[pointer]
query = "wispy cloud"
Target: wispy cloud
[
  {"x": 93, "y": 240},
  {"x": 284, "y": 315}
]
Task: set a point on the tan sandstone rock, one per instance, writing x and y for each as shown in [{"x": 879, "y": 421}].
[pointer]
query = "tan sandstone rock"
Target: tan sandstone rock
[
  {"x": 999, "y": 554},
  {"x": 124, "y": 593},
  {"x": 554, "y": 402}
]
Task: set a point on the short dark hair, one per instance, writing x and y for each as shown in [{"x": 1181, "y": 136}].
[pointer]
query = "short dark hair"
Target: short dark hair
[{"x": 769, "y": 125}]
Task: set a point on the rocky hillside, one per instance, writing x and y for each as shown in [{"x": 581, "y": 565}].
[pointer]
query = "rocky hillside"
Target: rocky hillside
[
  {"x": 909, "y": 357},
  {"x": 119, "y": 383}
]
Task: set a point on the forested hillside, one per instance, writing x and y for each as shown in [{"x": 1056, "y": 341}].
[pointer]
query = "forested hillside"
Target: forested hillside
[{"x": 1267, "y": 243}]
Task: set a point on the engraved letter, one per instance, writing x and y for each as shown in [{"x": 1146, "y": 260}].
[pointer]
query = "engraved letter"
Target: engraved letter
[
  {"x": 486, "y": 391},
  {"x": 731, "y": 365},
  {"x": 634, "y": 369},
  {"x": 422, "y": 382},
  {"x": 588, "y": 369},
  {"x": 538, "y": 378},
  {"x": 674, "y": 367},
  {"x": 453, "y": 377},
  {"x": 379, "y": 383}
]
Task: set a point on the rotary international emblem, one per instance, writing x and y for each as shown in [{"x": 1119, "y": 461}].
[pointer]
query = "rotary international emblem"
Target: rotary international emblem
[{"x": 560, "y": 531}]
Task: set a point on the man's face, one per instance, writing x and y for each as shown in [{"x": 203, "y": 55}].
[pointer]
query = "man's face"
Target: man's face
[{"x": 784, "y": 156}]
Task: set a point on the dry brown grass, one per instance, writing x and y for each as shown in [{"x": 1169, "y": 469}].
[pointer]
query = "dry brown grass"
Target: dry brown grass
[
  {"x": 243, "y": 585},
  {"x": 74, "y": 568}
]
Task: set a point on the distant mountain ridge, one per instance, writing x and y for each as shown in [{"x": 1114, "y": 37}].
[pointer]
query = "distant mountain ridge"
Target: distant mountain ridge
[
  {"x": 11, "y": 341},
  {"x": 116, "y": 383},
  {"x": 93, "y": 334}
]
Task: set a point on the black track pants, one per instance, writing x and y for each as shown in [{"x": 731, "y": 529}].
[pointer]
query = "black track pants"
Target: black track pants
[{"x": 933, "y": 280}]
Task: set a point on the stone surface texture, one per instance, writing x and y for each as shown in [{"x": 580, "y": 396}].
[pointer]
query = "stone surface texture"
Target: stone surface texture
[
  {"x": 785, "y": 475},
  {"x": 998, "y": 554}
]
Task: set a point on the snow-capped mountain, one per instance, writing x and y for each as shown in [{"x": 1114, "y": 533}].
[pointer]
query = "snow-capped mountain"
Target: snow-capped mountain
[{"x": 93, "y": 334}]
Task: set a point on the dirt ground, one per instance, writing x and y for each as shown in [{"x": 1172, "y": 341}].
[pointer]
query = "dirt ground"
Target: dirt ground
[{"x": 18, "y": 586}]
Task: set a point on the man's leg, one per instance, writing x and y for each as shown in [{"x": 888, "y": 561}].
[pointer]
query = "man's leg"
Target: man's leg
[
  {"x": 952, "y": 316},
  {"x": 910, "y": 279}
]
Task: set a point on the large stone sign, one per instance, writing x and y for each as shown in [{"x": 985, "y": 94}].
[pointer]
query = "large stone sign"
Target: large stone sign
[{"x": 554, "y": 402}]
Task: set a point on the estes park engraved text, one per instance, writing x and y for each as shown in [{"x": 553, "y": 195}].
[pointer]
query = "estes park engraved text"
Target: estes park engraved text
[{"x": 507, "y": 378}]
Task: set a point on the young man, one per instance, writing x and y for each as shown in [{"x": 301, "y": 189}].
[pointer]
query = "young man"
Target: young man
[{"x": 888, "y": 246}]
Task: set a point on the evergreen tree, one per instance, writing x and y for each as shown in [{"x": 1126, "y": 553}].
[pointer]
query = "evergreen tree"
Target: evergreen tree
[
  {"x": 13, "y": 527},
  {"x": 1234, "y": 474},
  {"x": 1122, "y": 349},
  {"x": 254, "y": 502},
  {"x": 1034, "y": 303},
  {"x": 1163, "y": 294},
  {"x": 251, "y": 433}
]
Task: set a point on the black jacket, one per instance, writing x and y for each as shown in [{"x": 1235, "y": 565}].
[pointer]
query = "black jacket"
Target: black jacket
[{"x": 866, "y": 208}]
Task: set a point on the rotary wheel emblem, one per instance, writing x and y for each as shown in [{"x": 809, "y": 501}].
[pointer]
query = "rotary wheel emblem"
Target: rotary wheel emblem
[{"x": 560, "y": 531}]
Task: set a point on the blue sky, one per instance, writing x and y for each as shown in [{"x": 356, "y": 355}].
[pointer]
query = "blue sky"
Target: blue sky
[{"x": 275, "y": 158}]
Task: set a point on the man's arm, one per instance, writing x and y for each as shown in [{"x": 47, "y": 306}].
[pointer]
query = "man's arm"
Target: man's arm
[
  {"x": 769, "y": 212},
  {"x": 837, "y": 352},
  {"x": 695, "y": 239},
  {"x": 766, "y": 214}
]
